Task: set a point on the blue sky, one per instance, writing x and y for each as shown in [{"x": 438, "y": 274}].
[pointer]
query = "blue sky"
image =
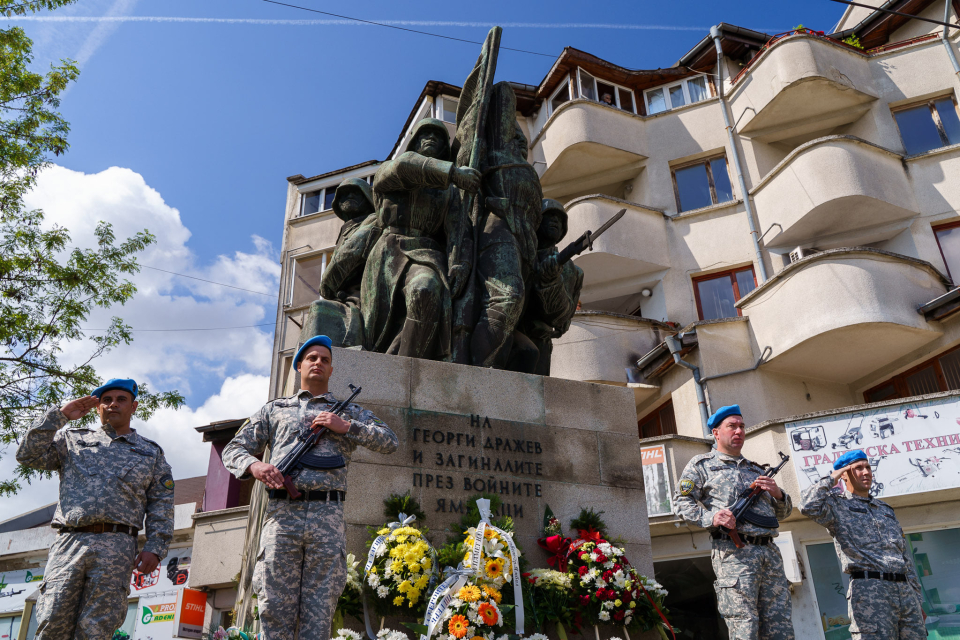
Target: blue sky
[{"x": 189, "y": 124}]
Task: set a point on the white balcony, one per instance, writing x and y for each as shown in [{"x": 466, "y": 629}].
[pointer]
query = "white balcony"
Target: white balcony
[{"x": 842, "y": 314}]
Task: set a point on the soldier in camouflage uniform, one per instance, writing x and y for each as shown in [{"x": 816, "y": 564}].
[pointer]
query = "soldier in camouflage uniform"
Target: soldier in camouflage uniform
[
  {"x": 109, "y": 479},
  {"x": 752, "y": 590},
  {"x": 885, "y": 594},
  {"x": 301, "y": 565}
]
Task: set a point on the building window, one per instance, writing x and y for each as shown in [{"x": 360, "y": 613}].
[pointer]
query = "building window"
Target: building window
[
  {"x": 940, "y": 373},
  {"x": 717, "y": 293},
  {"x": 948, "y": 239},
  {"x": 605, "y": 92},
  {"x": 659, "y": 422},
  {"x": 447, "y": 109},
  {"x": 676, "y": 95},
  {"x": 560, "y": 95},
  {"x": 701, "y": 184},
  {"x": 305, "y": 275},
  {"x": 929, "y": 126},
  {"x": 316, "y": 201}
]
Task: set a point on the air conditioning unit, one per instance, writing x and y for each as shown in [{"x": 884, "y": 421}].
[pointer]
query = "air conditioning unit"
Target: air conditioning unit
[{"x": 800, "y": 253}]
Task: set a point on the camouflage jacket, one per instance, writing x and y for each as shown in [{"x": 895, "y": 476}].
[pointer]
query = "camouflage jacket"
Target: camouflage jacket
[
  {"x": 279, "y": 423},
  {"x": 713, "y": 481},
  {"x": 865, "y": 531},
  {"x": 103, "y": 477}
]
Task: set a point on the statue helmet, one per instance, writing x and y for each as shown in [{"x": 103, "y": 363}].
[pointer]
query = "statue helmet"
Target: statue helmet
[
  {"x": 349, "y": 185},
  {"x": 551, "y": 206},
  {"x": 439, "y": 127}
]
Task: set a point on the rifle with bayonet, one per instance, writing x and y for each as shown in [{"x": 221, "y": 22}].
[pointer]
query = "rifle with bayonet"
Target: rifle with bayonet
[
  {"x": 585, "y": 241},
  {"x": 748, "y": 497},
  {"x": 300, "y": 454}
]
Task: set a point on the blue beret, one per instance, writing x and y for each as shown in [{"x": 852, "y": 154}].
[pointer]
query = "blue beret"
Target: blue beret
[
  {"x": 127, "y": 385},
  {"x": 722, "y": 413},
  {"x": 315, "y": 340},
  {"x": 849, "y": 458}
]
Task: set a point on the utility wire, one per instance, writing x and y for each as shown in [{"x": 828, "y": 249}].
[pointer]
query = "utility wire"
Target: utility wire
[
  {"x": 183, "y": 275},
  {"x": 246, "y": 326},
  {"x": 391, "y": 26},
  {"x": 896, "y": 13}
]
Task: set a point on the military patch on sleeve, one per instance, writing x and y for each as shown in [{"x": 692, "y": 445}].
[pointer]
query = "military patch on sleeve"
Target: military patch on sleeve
[
  {"x": 686, "y": 486},
  {"x": 168, "y": 483}
]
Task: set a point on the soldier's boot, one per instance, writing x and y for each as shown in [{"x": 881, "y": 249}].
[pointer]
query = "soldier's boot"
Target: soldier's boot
[
  {"x": 489, "y": 337},
  {"x": 417, "y": 338}
]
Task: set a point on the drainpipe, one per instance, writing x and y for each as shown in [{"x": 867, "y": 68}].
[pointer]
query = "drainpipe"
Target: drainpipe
[
  {"x": 732, "y": 135},
  {"x": 946, "y": 38},
  {"x": 673, "y": 344}
]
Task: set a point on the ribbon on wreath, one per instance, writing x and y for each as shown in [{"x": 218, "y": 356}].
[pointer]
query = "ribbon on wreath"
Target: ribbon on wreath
[
  {"x": 483, "y": 506},
  {"x": 662, "y": 617},
  {"x": 590, "y": 535},
  {"x": 440, "y": 600},
  {"x": 557, "y": 547},
  {"x": 378, "y": 543}
]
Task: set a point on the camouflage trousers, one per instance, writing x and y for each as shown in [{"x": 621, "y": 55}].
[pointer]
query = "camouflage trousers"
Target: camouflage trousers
[
  {"x": 753, "y": 594},
  {"x": 881, "y": 610},
  {"x": 301, "y": 569},
  {"x": 85, "y": 586}
]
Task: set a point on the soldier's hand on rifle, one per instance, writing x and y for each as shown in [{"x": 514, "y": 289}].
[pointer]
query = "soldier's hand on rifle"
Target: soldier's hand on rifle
[
  {"x": 769, "y": 485},
  {"x": 550, "y": 266},
  {"x": 76, "y": 409},
  {"x": 331, "y": 421},
  {"x": 466, "y": 178},
  {"x": 267, "y": 474},
  {"x": 724, "y": 518}
]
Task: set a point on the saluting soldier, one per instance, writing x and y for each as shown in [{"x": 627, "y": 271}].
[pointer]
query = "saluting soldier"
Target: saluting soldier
[
  {"x": 885, "y": 594},
  {"x": 109, "y": 479},
  {"x": 301, "y": 564},
  {"x": 752, "y": 589}
]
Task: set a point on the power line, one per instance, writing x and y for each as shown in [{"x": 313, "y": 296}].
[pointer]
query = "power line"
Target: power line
[
  {"x": 391, "y": 26},
  {"x": 183, "y": 275},
  {"x": 896, "y": 13},
  {"x": 246, "y": 326}
]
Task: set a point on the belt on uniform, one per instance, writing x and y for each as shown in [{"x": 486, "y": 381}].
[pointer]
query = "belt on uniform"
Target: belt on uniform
[
  {"x": 102, "y": 527},
  {"x": 758, "y": 540},
  {"x": 311, "y": 496},
  {"x": 876, "y": 575}
]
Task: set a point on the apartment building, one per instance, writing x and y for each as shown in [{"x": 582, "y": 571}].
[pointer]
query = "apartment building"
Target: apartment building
[{"x": 790, "y": 243}]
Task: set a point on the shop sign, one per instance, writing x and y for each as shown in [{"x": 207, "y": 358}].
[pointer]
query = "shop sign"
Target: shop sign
[
  {"x": 16, "y": 586},
  {"x": 191, "y": 607},
  {"x": 155, "y": 614},
  {"x": 172, "y": 573},
  {"x": 656, "y": 480},
  {"x": 912, "y": 447}
]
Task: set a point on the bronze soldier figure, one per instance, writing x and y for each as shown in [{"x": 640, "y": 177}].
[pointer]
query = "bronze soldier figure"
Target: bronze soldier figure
[
  {"x": 753, "y": 593},
  {"x": 301, "y": 564},
  {"x": 110, "y": 478},
  {"x": 405, "y": 295},
  {"x": 884, "y": 597},
  {"x": 552, "y": 300}
]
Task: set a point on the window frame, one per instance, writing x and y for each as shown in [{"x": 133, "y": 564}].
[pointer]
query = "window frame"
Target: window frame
[
  {"x": 899, "y": 380},
  {"x": 710, "y": 180},
  {"x": 568, "y": 84},
  {"x": 324, "y": 254},
  {"x": 596, "y": 91},
  {"x": 708, "y": 85},
  {"x": 655, "y": 414},
  {"x": 323, "y": 197},
  {"x": 934, "y": 115},
  {"x": 730, "y": 273},
  {"x": 944, "y": 227},
  {"x": 439, "y": 107}
]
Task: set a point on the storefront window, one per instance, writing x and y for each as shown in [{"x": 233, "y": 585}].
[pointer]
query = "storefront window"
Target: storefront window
[
  {"x": 691, "y": 598},
  {"x": 9, "y": 627},
  {"x": 830, "y": 585}
]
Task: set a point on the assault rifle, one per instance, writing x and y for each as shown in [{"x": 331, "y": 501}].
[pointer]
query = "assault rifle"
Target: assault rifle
[
  {"x": 749, "y": 496},
  {"x": 301, "y": 452},
  {"x": 585, "y": 241}
]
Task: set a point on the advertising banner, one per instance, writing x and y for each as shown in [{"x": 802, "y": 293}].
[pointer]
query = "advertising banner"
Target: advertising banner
[
  {"x": 155, "y": 614},
  {"x": 191, "y": 607},
  {"x": 15, "y": 586},
  {"x": 173, "y": 572},
  {"x": 912, "y": 447},
  {"x": 656, "y": 480}
]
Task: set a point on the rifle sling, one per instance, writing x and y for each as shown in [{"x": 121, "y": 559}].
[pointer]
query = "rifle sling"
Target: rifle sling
[
  {"x": 322, "y": 463},
  {"x": 767, "y": 522}
]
